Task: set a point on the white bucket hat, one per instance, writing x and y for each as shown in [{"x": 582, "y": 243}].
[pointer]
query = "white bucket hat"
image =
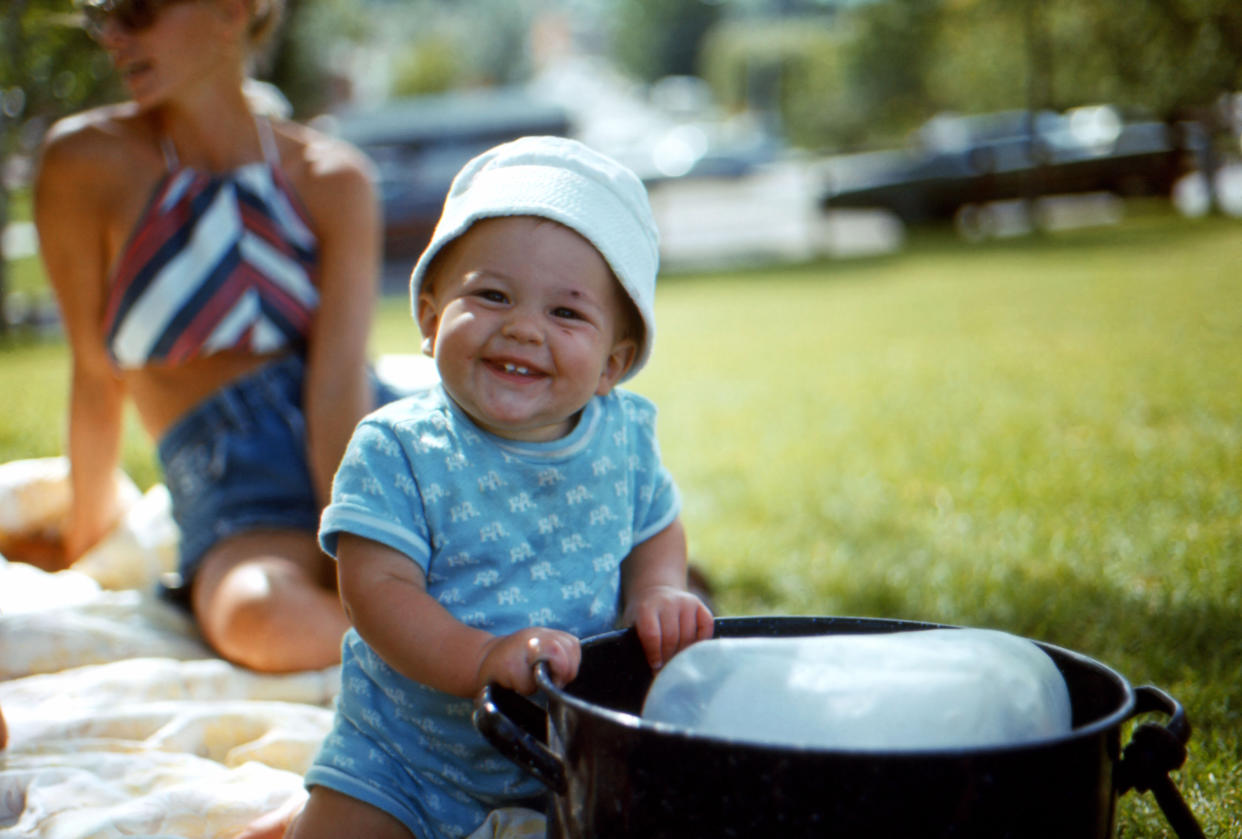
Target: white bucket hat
[{"x": 565, "y": 181}]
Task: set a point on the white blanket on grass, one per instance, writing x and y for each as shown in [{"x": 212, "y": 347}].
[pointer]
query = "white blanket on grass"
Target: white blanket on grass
[{"x": 121, "y": 721}]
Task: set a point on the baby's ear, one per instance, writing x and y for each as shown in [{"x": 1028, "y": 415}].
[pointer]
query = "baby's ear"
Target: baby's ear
[
  {"x": 234, "y": 13},
  {"x": 617, "y": 364},
  {"x": 428, "y": 317}
]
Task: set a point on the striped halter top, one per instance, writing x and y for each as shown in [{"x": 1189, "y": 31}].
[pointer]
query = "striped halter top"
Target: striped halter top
[{"x": 217, "y": 262}]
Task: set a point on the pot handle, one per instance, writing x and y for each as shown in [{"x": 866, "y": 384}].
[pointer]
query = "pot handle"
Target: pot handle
[
  {"x": 1153, "y": 752},
  {"x": 514, "y": 726}
]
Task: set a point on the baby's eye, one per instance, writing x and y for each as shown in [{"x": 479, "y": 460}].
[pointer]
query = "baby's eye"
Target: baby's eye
[
  {"x": 566, "y": 313},
  {"x": 491, "y": 295}
]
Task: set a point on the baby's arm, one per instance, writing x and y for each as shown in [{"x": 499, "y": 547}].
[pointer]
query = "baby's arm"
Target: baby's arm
[
  {"x": 653, "y": 584},
  {"x": 385, "y": 596}
]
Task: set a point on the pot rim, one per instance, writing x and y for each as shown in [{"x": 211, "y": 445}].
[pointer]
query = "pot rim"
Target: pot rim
[{"x": 681, "y": 733}]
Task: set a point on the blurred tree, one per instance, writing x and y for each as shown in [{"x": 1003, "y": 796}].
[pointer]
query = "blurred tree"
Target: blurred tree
[
  {"x": 852, "y": 77},
  {"x": 431, "y": 65},
  {"x": 48, "y": 67},
  {"x": 306, "y": 59},
  {"x": 439, "y": 45},
  {"x": 1164, "y": 55},
  {"x": 499, "y": 50},
  {"x": 982, "y": 58},
  {"x": 656, "y": 38},
  {"x": 792, "y": 67},
  {"x": 898, "y": 62},
  {"x": 889, "y": 58},
  {"x": 1160, "y": 56}
]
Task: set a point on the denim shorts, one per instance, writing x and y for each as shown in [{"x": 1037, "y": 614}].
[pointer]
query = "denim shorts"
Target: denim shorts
[{"x": 237, "y": 462}]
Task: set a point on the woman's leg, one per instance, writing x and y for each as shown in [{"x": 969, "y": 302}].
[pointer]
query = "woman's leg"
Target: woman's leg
[{"x": 267, "y": 600}]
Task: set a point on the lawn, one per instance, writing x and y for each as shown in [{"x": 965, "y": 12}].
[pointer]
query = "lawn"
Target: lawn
[{"x": 1042, "y": 436}]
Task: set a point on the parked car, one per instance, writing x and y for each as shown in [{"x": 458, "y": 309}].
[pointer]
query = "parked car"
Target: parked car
[
  {"x": 419, "y": 144},
  {"x": 961, "y": 161}
]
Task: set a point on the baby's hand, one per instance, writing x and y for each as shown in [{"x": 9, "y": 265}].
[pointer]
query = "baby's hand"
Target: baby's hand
[
  {"x": 509, "y": 660},
  {"x": 668, "y": 619}
]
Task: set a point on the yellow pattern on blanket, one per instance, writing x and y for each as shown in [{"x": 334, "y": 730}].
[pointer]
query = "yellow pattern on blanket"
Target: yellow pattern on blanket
[{"x": 122, "y": 723}]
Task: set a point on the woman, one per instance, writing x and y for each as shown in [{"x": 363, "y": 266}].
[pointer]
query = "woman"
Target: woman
[{"x": 219, "y": 268}]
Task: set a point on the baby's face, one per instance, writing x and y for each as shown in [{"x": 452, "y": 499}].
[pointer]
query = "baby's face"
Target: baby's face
[{"x": 525, "y": 322}]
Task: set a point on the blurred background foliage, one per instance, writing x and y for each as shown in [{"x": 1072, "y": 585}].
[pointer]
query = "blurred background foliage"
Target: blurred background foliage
[
  {"x": 826, "y": 76},
  {"x": 866, "y": 75},
  {"x": 839, "y": 74}
]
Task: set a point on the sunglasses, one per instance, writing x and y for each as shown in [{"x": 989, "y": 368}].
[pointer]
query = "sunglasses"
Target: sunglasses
[{"x": 131, "y": 15}]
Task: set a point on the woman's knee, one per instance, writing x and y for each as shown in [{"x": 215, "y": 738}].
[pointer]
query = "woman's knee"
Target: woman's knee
[
  {"x": 266, "y": 611},
  {"x": 235, "y": 611}
]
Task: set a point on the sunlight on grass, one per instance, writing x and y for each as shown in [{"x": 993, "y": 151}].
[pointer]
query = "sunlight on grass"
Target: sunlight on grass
[
  {"x": 1048, "y": 444},
  {"x": 34, "y": 378}
]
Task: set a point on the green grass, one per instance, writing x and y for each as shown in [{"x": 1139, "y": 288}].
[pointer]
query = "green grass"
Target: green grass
[{"x": 1041, "y": 436}]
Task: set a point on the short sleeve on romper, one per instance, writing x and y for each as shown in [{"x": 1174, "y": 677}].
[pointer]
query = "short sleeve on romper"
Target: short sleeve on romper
[{"x": 373, "y": 496}]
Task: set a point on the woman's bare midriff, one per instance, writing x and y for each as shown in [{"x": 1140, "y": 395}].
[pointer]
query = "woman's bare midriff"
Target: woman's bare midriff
[{"x": 164, "y": 393}]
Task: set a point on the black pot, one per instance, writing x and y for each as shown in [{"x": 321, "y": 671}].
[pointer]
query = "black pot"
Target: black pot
[{"x": 612, "y": 774}]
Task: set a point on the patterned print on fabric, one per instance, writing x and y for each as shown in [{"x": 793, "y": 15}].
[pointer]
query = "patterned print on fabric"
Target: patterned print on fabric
[
  {"x": 510, "y": 535},
  {"x": 217, "y": 262}
]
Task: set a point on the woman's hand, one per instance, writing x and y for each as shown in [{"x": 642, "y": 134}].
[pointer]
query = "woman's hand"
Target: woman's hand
[
  {"x": 42, "y": 550},
  {"x": 88, "y": 524},
  {"x": 668, "y": 619},
  {"x": 509, "y": 660}
]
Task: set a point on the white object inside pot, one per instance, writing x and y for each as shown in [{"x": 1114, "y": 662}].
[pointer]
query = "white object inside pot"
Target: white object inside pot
[{"x": 898, "y": 691}]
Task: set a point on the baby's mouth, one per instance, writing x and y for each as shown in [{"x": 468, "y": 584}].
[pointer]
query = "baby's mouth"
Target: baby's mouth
[{"x": 517, "y": 369}]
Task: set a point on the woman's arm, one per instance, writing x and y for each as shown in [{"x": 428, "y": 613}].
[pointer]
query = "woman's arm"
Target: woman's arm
[
  {"x": 346, "y": 215},
  {"x": 657, "y": 604},
  {"x": 385, "y": 596},
  {"x": 71, "y": 222}
]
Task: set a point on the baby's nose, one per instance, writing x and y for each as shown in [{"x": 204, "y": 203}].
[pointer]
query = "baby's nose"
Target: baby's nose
[{"x": 522, "y": 326}]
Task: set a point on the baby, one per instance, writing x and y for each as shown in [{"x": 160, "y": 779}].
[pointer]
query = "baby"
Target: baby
[{"x": 490, "y": 521}]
